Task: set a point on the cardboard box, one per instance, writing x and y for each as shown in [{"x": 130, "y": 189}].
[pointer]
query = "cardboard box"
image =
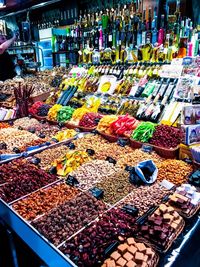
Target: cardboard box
[{"x": 191, "y": 134}]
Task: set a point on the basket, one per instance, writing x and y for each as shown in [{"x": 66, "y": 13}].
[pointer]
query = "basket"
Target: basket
[
  {"x": 135, "y": 144},
  {"x": 52, "y": 122},
  {"x": 39, "y": 118},
  {"x": 71, "y": 125},
  {"x": 86, "y": 129},
  {"x": 187, "y": 215},
  {"x": 169, "y": 153},
  {"x": 111, "y": 138}
]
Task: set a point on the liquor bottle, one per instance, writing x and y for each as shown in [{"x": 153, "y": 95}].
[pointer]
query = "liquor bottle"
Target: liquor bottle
[
  {"x": 160, "y": 107},
  {"x": 161, "y": 32},
  {"x": 144, "y": 32},
  {"x": 139, "y": 34},
  {"x": 154, "y": 27},
  {"x": 100, "y": 38},
  {"x": 149, "y": 32}
]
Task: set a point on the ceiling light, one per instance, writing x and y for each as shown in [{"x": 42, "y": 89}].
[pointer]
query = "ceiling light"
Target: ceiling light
[{"x": 2, "y": 3}]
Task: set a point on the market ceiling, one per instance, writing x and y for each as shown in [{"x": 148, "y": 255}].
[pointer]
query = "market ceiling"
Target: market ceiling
[{"x": 15, "y": 5}]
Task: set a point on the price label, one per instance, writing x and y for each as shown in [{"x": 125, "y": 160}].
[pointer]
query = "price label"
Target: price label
[
  {"x": 122, "y": 142},
  {"x": 71, "y": 180},
  {"x": 111, "y": 160},
  {"x": 168, "y": 185},
  {"x": 110, "y": 38},
  {"x": 97, "y": 192},
  {"x": 147, "y": 148}
]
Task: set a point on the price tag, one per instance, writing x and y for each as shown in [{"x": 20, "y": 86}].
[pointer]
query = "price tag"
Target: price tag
[
  {"x": 72, "y": 181},
  {"x": 122, "y": 142},
  {"x": 111, "y": 160},
  {"x": 110, "y": 38},
  {"x": 130, "y": 209},
  {"x": 147, "y": 148},
  {"x": 71, "y": 145},
  {"x": 90, "y": 152},
  {"x": 97, "y": 192},
  {"x": 168, "y": 185},
  {"x": 129, "y": 168}
]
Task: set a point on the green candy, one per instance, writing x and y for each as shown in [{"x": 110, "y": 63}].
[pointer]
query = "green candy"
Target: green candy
[
  {"x": 65, "y": 114},
  {"x": 144, "y": 132}
]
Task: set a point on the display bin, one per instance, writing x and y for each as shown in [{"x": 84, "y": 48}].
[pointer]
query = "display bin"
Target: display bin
[
  {"x": 112, "y": 138},
  {"x": 39, "y": 118},
  {"x": 45, "y": 250},
  {"x": 136, "y": 144},
  {"x": 169, "y": 153}
]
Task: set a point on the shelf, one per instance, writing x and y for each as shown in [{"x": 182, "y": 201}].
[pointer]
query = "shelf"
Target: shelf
[
  {"x": 41, "y": 246},
  {"x": 64, "y": 52},
  {"x": 23, "y": 53}
]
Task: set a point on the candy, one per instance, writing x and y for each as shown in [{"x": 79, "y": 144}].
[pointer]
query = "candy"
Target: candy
[
  {"x": 68, "y": 218},
  {"x": 65, "y": 113},
  {"x": 87, "y": 248},
  {"x": 44, "y": 200},
  {"x": 144, "y": 132},
  {"x": 22, "y": 178},
  {"x": 131, "y": 255},
  {"x": 52, "y": 114},
  {"x": 90, "y": 120},
  {"x": 105, "y": 122},
  {"x": 71, "y": 161}
]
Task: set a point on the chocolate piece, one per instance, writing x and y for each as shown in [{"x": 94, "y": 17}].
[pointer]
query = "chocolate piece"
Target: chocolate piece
[
  {"x": 132, "y": 249},
  {"x": 121, "y": 262},
  {"x": 122, "y": 248},
  {"x": 130, "y": 241},
  {"x": 139, "y": 257},
  {"x": 140, "y": 246},
  {"x": 115, "y": 255},
  {"x": 131, "y": 264},
  {"x": 128, "y": 256}
]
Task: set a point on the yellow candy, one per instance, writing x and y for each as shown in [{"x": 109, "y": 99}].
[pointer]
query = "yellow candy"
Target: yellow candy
[
  {"x": 71, "y": 161},
  {"x": 52, "y": 114},
  {"x": 105, "y": 122},
  {"x": 64, "y": 135}
]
